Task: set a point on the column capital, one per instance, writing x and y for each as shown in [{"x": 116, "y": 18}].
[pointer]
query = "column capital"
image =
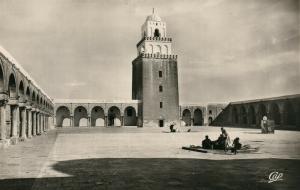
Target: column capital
[
  {"x": 3, "y": 96},
  {"x": 13, "y": 101},
  {"x": 28, "y": 107}
]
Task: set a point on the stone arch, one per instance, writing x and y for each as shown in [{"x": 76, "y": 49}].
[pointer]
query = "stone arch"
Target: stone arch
[
  {"x": 80, "y": 117},
  {"x": 289, "y": 114},
  {"x": 186, "y": 117},
  {"x": 261, "y": 112},
  {"x": 21, "y": 88},
  {"x": 62, "y": 113},
  {"x": 243, "y": 115},
  {"x": 130, "y": 117},
  {"x": 37, "y": 99},
  {"x": 234, "y": 115},
  {"x": 1, "y": 78},
  {"x": 198, "y": 117},
  {"x": 27, "y": 93},
  {"x": 114, "y": 116},
  {"x": 275, "y": 113},
  {"x": 12, "y": 86},
  {"x": 251, "y": 115},
  {"x": 97, "y": 116},
  {"x": 33, "y": 96}
]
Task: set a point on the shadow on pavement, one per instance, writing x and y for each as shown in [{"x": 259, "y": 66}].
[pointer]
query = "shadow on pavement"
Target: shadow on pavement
[{"x": 164, "y": 173}]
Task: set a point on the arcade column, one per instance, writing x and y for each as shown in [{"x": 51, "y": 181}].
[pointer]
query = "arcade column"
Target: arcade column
[
  {"x": 34, "y": 123},
  {"x": 15, "y": 123},
  {"x": 3, "y": 116},
  {"x": 24, "y": 123},
  {"x": 105, "y": 121},
  {"x": 122, "y": 120},
  {"x": 29, "y": 122}
]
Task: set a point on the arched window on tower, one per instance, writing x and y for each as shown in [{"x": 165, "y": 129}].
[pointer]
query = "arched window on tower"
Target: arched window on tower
[
  {"x": 166, "y": 50},
  {"x": 150, "y": 48},
  {"x": 158, "y": 50},
  {"x": 156, "y": 33}
]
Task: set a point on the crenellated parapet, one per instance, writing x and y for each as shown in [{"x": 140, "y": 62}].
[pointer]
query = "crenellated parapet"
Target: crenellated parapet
[
  {"x": 158, "y": 56},
  {"x": 158, "y": 39}
]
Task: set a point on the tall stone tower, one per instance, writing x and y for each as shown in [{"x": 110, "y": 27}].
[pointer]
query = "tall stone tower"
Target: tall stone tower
[{"x": 155, "y": 76}]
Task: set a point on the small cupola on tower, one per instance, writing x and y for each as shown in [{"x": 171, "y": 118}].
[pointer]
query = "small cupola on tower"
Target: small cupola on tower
[
  {"x": 154, "y": 36},
  {"x": 154, "y": 26}
]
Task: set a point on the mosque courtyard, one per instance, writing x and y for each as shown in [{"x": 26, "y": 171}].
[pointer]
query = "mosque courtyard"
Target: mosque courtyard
[{"x": 148, "y": 158}]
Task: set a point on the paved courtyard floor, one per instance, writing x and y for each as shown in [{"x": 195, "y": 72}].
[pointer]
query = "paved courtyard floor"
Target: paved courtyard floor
[{"x": 148, "y": 158}]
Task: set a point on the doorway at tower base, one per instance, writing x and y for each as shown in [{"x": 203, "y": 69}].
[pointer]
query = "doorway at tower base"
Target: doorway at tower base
[{"x": 161, "y": 123}]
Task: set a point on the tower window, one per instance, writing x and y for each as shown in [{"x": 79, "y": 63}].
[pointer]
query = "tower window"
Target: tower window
[
  {"x": 156, "y": 33},
  {"x": 160, "y": 74},
  {"x": 160, "y": 104},
  {"x": 210, "y": 111},
  {"x": 160, "y": 88},
  {"x": 161, "y": 123}
]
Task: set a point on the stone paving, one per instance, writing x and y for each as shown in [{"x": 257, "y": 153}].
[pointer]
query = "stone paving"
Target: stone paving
[{"x": 147, "y": 158}]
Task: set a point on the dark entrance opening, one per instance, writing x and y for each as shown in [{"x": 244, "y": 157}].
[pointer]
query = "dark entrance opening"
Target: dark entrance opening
[
  {"x": 161, "y": 123},
  {"x": 210, "y": 120},
  {"x": 111, "y": 120}
]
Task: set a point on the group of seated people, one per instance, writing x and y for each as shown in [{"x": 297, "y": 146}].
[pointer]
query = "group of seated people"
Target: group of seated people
[{"x": 222, "y": 142}]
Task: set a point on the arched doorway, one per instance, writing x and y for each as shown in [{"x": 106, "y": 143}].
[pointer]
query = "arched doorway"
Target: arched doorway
[
  {"x": 251, "y": 116},
  {"x": 235, "y": 116},
  {"x": 243, "y": 116},
  {"x": 198, "y": 118},
  {"x": 66, "y": 122},
  {"x": 262, "y": 111},
  {"x": 97, "y": 116},
  {"x": 210, "y": 120},
  {"x": 63, "y": 117},
  {"x": 83, "y": 122},
  {"x": 80, "y": 117},
  {"x": 275, "y": 114},
  {"x": 114, "y": 116},
  {"x": 186, "y": 117},
  {"x": 130, "y": 118},
  {"x": 12, "y": 86},
  {"x": 289, "y": 114}
]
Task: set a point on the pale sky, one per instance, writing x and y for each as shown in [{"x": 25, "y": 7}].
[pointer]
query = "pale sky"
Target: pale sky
[{"x": 228, "y": 50}]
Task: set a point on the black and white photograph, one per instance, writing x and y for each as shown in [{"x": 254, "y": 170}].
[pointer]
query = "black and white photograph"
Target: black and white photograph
[{"x": 149, "y": 94}]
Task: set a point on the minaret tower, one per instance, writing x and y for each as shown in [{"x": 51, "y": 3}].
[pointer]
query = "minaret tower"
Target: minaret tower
[{"x": 155, "y": 76}]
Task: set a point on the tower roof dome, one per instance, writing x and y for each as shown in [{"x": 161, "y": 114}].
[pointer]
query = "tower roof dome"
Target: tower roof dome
[{"x": 153, "y": 17}]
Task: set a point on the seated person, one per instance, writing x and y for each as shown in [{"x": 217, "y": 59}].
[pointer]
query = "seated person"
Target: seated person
[
  {"x": 172, "y": 130},
  {"x": 220, "y": 142},
  {"x": 236, "y": 145},
  {"x": 206, "y": 143}
]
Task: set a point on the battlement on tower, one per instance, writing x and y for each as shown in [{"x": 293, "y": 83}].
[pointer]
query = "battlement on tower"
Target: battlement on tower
[{"x": 160, "y": 39}]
